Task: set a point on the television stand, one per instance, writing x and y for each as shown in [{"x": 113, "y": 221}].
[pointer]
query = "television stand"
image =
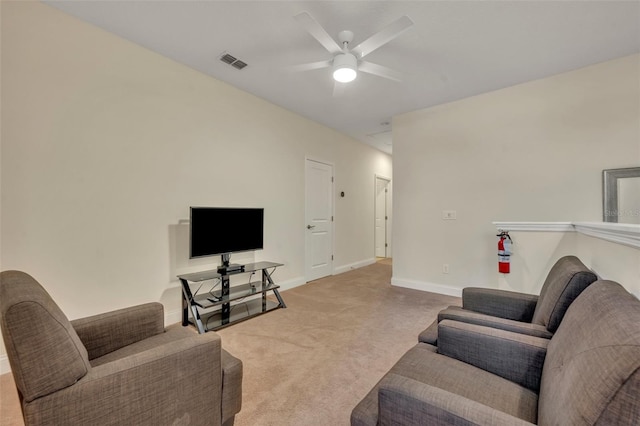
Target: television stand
[{"x": 215, "y": 308}]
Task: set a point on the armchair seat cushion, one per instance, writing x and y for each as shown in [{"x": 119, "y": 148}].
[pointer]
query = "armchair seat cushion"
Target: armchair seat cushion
[{"x": 423, "y": 364}]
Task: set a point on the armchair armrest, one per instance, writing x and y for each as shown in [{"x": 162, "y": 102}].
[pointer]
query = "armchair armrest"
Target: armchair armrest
[
  {"x": 231, "y": 386},
  {"x": 171, "y": 383},
  {"x": 405, "y": 401},
  {"x": 500, "y": 303},
  {"x": 513, "y": 356},
  {"x": 107, "y": 332},
  {"x": 462, "y": 315}
]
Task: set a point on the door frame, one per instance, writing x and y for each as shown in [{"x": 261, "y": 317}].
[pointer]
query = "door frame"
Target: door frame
[
  {"x": 333, "y": 213},
  {"x": 387, "y": 225}
]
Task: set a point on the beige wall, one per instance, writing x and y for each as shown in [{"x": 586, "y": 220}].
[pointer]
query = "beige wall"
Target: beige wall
[
  {"x": 611, "y": 261},
  {"x": 105, "y": 145},
  {"x": 532, "y": 152}
]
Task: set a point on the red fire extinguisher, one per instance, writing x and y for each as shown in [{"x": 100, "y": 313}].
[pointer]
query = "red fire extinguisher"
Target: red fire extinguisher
[{"x": 504, "y": 252}]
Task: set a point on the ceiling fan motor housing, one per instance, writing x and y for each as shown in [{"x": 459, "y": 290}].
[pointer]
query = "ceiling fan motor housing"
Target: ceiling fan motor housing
[{"x": 345, "y": 67}]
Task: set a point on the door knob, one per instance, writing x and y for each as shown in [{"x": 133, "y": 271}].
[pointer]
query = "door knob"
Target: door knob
[{"x": 310, "y": 226}]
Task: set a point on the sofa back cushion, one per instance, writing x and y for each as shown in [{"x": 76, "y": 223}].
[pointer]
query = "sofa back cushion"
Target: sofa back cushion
[
  {"x": 565, "y": 281},
  {"x": 44, "y": 351},
  {"x": 591, "y": 371}
]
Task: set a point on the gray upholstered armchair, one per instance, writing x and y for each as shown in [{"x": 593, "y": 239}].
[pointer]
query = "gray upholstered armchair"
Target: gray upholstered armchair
[
  {"x": 519, "y": 312},
  {"x": 121, "y": 367}
]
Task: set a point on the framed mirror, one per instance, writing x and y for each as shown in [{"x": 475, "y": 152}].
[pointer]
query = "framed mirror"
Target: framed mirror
[{"x": 621, "y": 195}]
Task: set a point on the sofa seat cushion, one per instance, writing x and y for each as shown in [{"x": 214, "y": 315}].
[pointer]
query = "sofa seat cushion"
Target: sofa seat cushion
[{"x": 422, "y": 363}]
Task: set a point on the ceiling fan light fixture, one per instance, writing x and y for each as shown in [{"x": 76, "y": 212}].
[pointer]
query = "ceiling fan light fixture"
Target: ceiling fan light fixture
[{"x": 345, "y": 68}]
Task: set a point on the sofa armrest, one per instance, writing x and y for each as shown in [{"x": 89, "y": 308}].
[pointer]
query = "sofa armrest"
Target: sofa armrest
[
  {"x": 513, "y": 356},
  {"x": 404, "y": 401},
  {"x": 178, "y": 382},
  {"x": 107, "y": 332},
  {"x": 462, "y": 315},
  {"x": 500, "y": 303}
]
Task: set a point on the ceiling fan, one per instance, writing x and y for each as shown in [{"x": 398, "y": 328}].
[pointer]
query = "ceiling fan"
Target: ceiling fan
[{"x": 347, "y": 62}]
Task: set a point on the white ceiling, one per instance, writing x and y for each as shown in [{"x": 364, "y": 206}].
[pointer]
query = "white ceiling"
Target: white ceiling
[{"x": 455, "y": 49}]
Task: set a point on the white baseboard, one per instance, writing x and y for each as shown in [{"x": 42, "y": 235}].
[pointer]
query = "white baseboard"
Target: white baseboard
[
  {"x": 4, "y": 364},
  {"x": 427, "y": 286},
  {"x": 292, "y": 283},
  {"x": 355, "y": 265}
]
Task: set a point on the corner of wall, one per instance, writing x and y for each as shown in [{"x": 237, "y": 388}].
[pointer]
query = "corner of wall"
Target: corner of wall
[
  {"x": 427, "y": 286},
  {"x": 355, "y": 265}
]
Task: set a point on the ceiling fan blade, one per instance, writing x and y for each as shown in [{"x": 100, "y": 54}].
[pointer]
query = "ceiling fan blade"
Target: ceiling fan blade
[
  {"x": 379, "y": 70},
  {"x": 383, "y": 36},
  {"x": 310, "y": 66},
  {"x": 319, "y": 33}
]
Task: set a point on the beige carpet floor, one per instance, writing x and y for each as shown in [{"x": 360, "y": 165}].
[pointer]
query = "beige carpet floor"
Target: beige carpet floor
[{"x": 311, "y": 363}]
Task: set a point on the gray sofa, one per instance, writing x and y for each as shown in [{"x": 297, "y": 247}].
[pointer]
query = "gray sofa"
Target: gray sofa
[
  {"x": 519, "y": 312},
  {"x": 118, "y": 368},
  {"x": 588, "y": 373}
]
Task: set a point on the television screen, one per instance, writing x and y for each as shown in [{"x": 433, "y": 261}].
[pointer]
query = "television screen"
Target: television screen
[{"x": 219, "y": 230}]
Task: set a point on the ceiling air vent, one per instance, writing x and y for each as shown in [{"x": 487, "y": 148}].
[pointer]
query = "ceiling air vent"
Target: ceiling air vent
[
  {"x": 238, "y": 64},
  {"x": 233, "y": 61}
]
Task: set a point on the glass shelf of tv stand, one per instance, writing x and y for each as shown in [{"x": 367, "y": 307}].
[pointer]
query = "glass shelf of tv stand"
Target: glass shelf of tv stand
[
  {"x": 210, "y": 299},
  {"x": 215, "y": 320},
  {"x": 212, "y": 274}
]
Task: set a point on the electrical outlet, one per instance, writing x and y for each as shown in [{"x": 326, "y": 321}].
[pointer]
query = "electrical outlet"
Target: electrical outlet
[
  {"x": 448, "y": 215},
  {"x": 445, "y": 268}
]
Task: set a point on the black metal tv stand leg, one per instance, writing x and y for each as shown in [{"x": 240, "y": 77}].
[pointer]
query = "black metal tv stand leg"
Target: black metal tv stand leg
[
  {"x": 266, "y": 277},
  {"x": 187, "y": 304},
  {"x": 226, "y": 307}
]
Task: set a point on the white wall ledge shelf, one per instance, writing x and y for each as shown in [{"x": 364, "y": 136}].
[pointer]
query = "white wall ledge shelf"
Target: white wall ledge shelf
[
  {"x": 536, "y": 226},
  {"x": 627, "y": 234}
]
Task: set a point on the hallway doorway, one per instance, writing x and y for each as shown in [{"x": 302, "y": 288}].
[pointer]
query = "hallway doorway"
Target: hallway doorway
[{"x": 382, "y": 217}]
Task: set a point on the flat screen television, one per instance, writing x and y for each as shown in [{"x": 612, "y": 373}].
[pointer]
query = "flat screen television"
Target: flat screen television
[{"x": 224, "y": 230}]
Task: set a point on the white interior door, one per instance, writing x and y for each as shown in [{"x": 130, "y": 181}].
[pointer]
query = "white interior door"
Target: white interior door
[
  {"x": 319, "y": 216},
  {"x": 382, "y": 217}
]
